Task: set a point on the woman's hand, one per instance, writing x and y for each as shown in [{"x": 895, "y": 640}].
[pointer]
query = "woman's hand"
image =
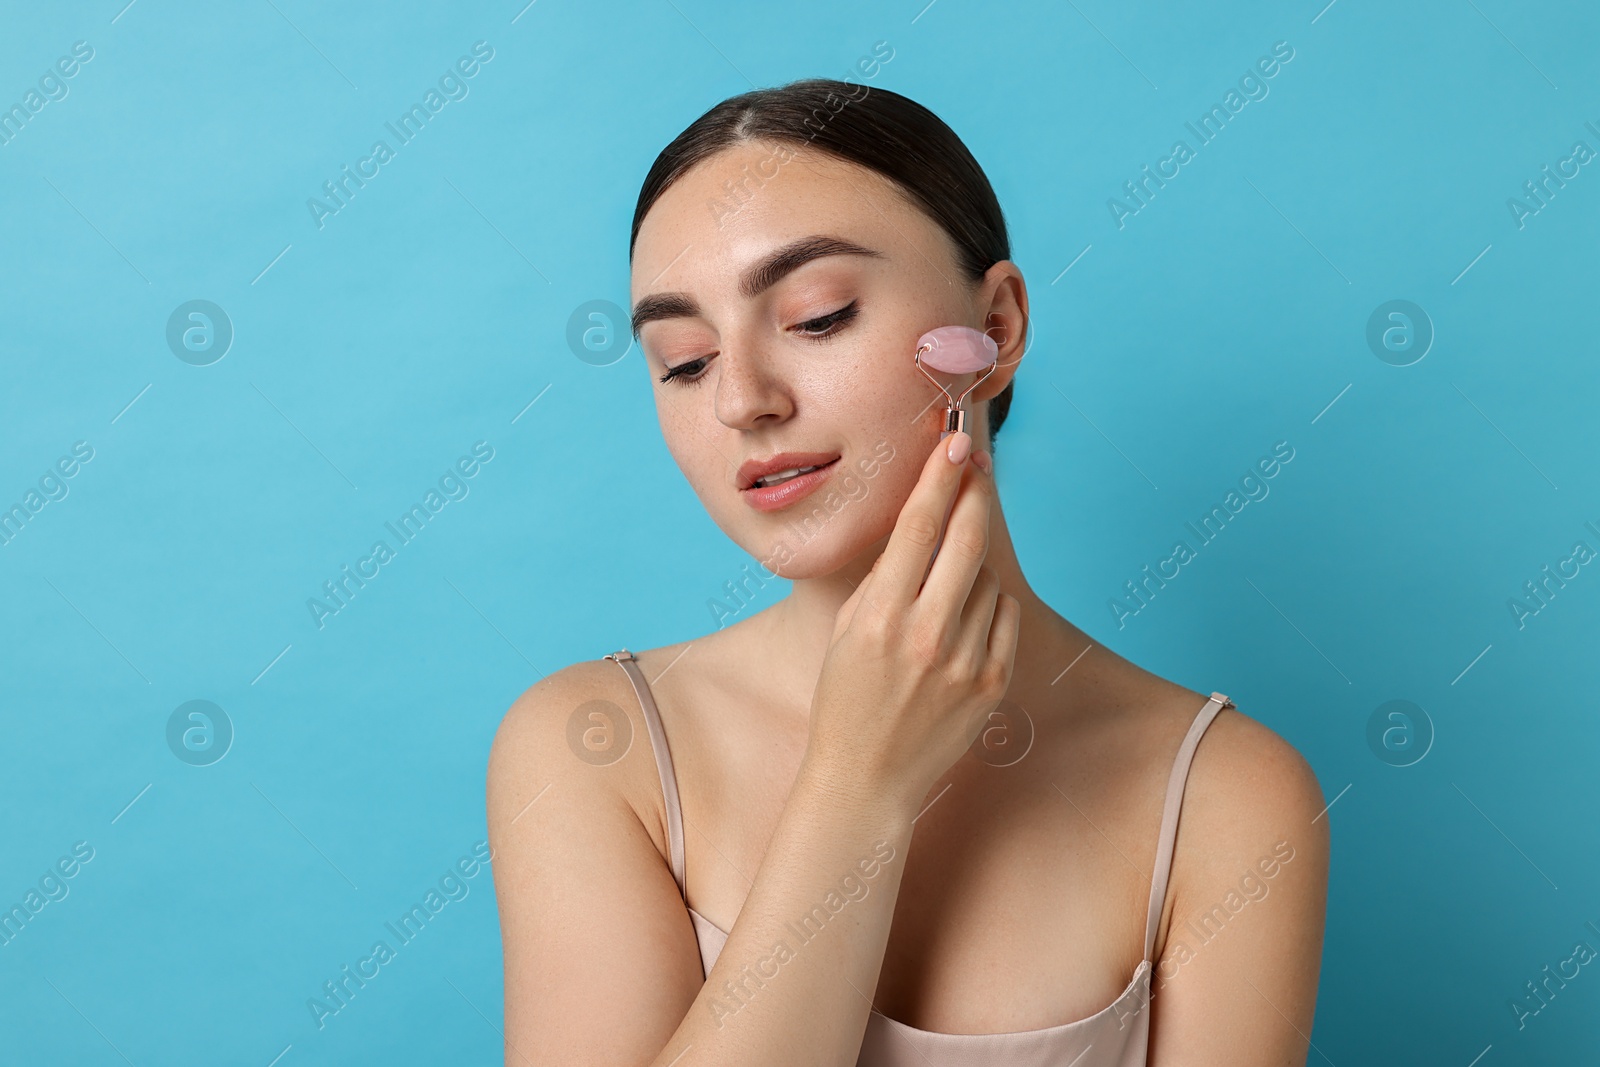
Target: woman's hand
[{"x": 911, "y": 674}]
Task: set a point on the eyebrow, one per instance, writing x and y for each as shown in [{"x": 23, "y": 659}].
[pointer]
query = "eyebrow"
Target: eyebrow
[{"x": 755, "y": 281}]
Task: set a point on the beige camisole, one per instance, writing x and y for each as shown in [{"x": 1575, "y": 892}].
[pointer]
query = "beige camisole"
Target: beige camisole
[{"x": 1115, "y": 1036}]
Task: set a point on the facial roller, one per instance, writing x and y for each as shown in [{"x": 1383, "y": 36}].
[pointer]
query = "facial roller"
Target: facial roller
[{"x": 954, "y": 350}]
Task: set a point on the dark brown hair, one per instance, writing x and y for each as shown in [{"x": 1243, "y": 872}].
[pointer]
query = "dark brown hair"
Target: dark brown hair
[{"x": 875, "y": 128}]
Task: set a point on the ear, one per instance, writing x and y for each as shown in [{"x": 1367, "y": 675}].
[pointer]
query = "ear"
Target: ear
[{"x": 1003, "y": 300}]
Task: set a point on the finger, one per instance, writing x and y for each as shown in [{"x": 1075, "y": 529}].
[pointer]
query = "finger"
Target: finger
[
  {"x": 847, "y": 610},
  {"x": 977, "y": 618},
  {"x": 1003, "y": 634},
  {"x": 966, "y": 544},
  {"x": 916, "y": 531}
]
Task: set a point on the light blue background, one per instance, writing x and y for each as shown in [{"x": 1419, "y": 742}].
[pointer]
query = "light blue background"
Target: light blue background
[{"x": 1227, "y": 315}]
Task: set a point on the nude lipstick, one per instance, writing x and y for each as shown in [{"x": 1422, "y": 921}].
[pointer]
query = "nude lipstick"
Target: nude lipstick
[{"x": 774, "y": 484}]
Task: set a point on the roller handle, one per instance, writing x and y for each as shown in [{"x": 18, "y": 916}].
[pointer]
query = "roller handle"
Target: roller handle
[{"x": 944, "y": 522}]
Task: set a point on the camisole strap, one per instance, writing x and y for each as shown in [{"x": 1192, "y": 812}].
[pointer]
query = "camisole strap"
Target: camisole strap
[
  {"x": 658, "y": 744},
  {"x": 1169, "y": 815}
]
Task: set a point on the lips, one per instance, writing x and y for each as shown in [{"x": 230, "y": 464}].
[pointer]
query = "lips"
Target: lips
[
  {"x": 791, "y": 489},
  {"x": 753, "y": 470}
]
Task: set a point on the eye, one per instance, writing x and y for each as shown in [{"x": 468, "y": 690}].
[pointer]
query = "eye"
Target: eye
[
  {"x": 686, "y": 373},
  {"x": 830, "y": 323},
  {"x": 818, "y": 329}
]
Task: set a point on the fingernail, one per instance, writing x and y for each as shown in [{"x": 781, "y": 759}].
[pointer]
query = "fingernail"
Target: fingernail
[
  {"x": 960, "y": 445},
  {"x": 981, "y": 458}
]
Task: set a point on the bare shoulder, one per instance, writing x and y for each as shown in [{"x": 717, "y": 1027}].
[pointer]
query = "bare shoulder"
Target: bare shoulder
[
  {"x": 1242, "y": 766},
  {"x": 1246, "y": 904},
  {"x": 1251, "y": 798},
  {"x": 578, "y": 729},
  {"x": 532, "y": 734}
]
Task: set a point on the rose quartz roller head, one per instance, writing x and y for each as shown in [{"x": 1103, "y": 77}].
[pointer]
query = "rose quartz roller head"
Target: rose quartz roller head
[{"x": 956, "y": 350}]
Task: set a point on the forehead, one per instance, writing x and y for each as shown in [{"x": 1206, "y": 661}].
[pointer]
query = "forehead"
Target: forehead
[{"x": 732, "y": 207}]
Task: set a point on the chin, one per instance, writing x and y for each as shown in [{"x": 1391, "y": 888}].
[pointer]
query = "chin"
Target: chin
[
  {"x": 804, "y": 565},
  {"x": 792, "y": 555}
]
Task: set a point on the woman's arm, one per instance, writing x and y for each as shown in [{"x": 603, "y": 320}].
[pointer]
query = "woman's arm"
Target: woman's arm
[
  {"x": 1236, "y": 985},
  {"x": 601, "y": 963}
]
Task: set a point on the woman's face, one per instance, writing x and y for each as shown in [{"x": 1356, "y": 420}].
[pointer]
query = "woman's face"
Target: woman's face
[{"x": 808, "y": 354}]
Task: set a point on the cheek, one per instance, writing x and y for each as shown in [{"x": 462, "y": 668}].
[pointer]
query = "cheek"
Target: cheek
[
  {"x": 880, "y": 497},
  {"x": 696, "y": 460},
  {"x": 883, "y": 398},
  {"x": 683, "y": 422},
  {"x": 870, "y": 368},
  {"x": 705, "y": 471},
  {"x": 897, "y": 479}
]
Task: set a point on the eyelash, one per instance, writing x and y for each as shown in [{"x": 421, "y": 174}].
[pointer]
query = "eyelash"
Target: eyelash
[{"x": 835, "y": 321}]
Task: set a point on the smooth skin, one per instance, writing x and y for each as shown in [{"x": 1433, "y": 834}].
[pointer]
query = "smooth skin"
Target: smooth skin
[{"x": 837, "y": 725}]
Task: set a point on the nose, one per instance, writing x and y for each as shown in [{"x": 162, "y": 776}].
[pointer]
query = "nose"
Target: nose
[{"x": 751, "y": 386}]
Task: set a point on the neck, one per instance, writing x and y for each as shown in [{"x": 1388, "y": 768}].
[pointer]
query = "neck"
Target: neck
[{"x": 802, "y": 623}]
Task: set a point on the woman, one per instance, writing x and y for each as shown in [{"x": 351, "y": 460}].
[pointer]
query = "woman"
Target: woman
[{"x": 795, "y": 840}]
